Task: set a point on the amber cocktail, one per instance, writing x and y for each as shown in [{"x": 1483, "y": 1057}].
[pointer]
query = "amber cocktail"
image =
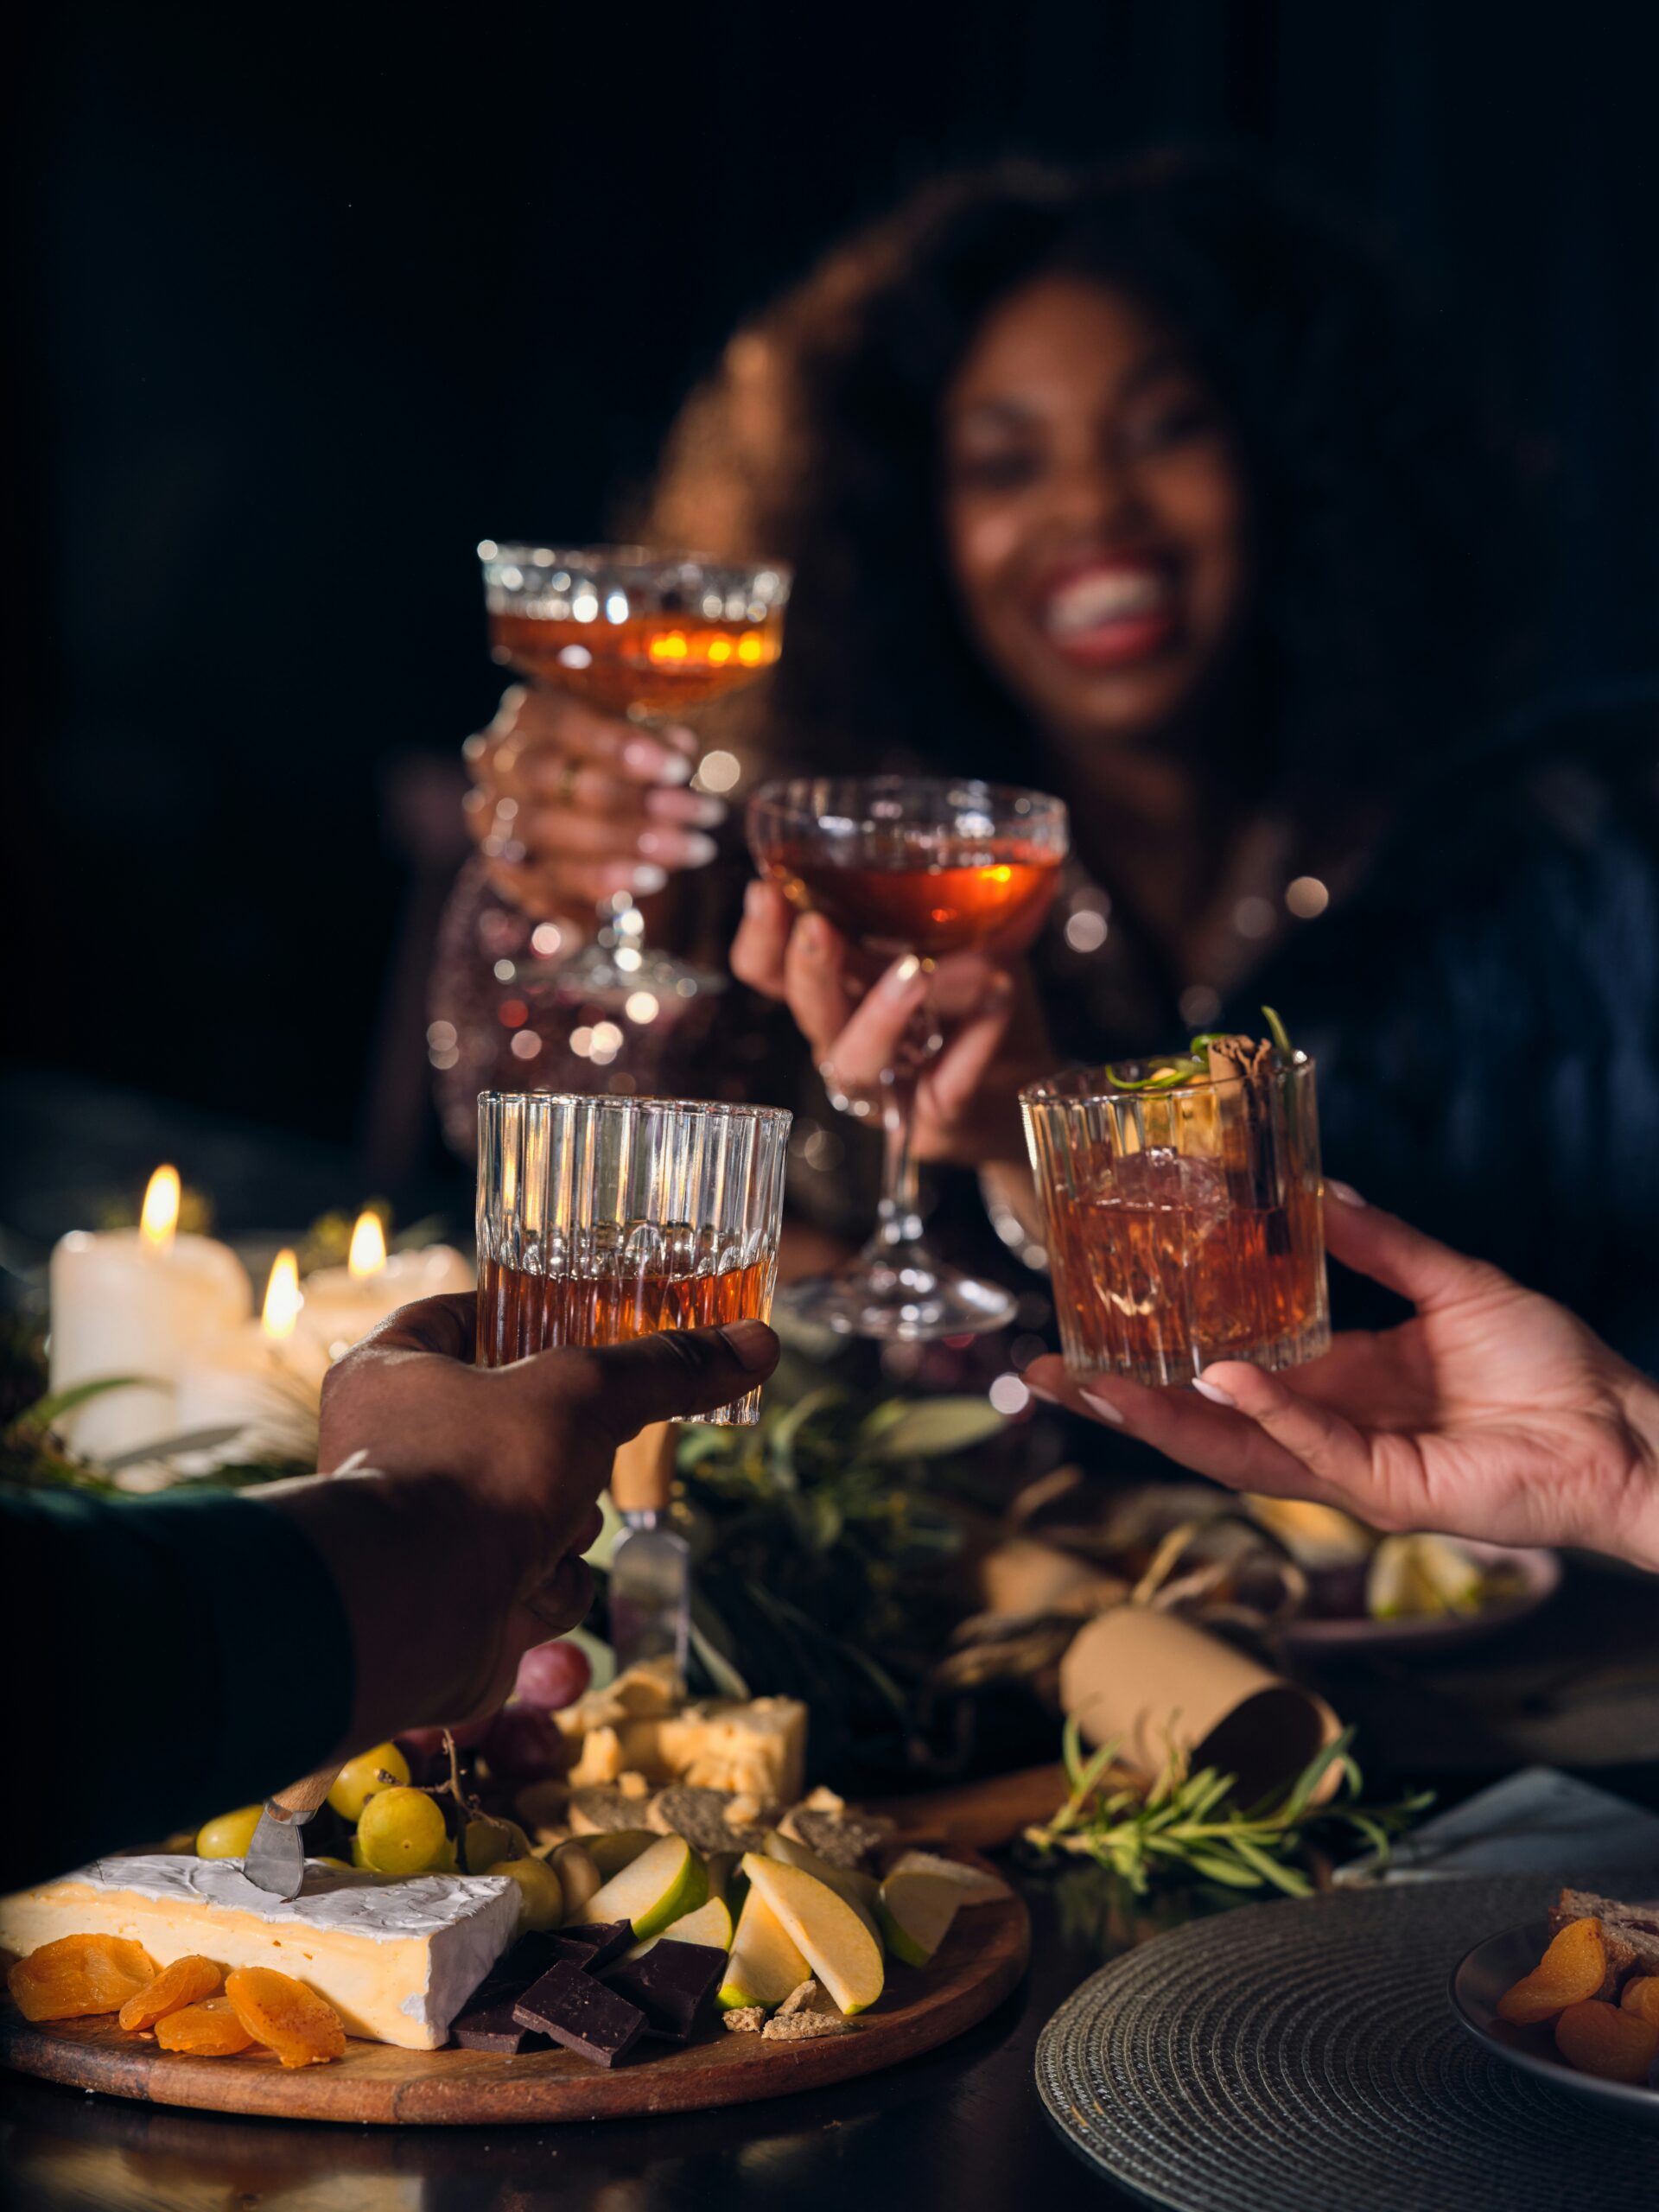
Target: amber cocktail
[
  {"x": 926, "y": 866},
  {"x": 601, "y": 1219},
  {"x": 1183, "y": 1205},
  {"x": 649, "y": 635}
]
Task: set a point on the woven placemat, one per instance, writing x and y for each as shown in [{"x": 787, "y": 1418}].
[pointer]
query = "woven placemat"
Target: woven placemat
[{"x": 1302, "y": 2056}]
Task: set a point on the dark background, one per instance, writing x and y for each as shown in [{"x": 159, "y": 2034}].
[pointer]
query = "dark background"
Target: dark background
[{"x": 306, "y": 302}]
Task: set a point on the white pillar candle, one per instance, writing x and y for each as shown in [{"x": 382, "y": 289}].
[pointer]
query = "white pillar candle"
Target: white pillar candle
[
  {"x": 258, "y": 1380},
  {"x": 137, "y": 1301},
  {"x": 343, "y": 1304}
]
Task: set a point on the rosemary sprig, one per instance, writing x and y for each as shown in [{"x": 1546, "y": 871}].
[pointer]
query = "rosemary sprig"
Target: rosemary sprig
[{"x": 1183, "y": 1824}]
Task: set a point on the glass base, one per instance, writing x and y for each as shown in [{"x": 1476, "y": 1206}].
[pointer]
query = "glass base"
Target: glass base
[
  {"x": 902, "y": 1294},
  {"x": 605, "y": 975},
  {"x": 1174, "y": 1369}
]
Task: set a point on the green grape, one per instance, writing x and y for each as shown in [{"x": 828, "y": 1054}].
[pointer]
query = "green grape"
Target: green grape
[
  {"x": 541, "y": 1899},
  {"x": 228, "y": 1835},
  {"x": 486, "y": 1841},
  {"x": 359, "y": 1778},
  {"x": 402, "y": 1832}
]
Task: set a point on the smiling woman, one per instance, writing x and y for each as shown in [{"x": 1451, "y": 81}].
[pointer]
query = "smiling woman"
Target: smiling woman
[
  {"x": 1093, "y": 510},
  {"x": 1149, "y": 481}
]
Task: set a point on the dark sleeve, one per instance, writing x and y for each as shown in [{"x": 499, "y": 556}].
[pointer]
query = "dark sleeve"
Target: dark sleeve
[
  {"x": 1485, "y": 1019},
  {"x": 166, "y": 1658}
]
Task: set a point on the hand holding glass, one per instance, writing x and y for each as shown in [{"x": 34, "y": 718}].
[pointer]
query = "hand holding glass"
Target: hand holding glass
[{"x": 924, "y": 866}]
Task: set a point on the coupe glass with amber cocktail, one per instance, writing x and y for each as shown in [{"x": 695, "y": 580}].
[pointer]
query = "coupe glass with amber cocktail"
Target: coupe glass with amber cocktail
[
  {"x": 929, "y": 866},
  {"x": 1183, "y": 1206},
  {"x": 649, "y": 635}
]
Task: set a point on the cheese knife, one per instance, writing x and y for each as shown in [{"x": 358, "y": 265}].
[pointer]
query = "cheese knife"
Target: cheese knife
[
  {"x": 651, "y": 1567},
  {"x": 276, "y": 1860}
]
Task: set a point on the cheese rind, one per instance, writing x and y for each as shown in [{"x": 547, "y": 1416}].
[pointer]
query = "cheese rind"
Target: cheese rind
[{"x": 396, "y": 1960}]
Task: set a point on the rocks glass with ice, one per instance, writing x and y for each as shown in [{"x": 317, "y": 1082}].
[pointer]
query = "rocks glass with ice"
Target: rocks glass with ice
[{"x": 1182, "y": 1200}]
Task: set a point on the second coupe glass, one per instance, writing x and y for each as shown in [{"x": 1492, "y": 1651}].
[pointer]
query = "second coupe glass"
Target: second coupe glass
[{"x": 906, "y": 864}]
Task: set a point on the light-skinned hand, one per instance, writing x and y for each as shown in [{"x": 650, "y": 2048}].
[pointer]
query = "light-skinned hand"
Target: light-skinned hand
[
  {"x": 463, "y": 1545},
  {"x": 856, "y": 1026},
  {"x": 1492, "y": 1413},
  {"x": 569, "y": 806}
]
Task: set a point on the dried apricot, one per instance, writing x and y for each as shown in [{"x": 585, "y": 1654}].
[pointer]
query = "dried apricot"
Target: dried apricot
[
  {"x": 300, "y": 2027},
  {"x": 210, "y": 2029},
  {"x": 1596, "y": 2038},
  {"x": 1640, "y": 1996},
  {"x": 78, "y": 1975},
  {"x": 182, "y": 1983},
  {"x": 1573, "y": 1969}
]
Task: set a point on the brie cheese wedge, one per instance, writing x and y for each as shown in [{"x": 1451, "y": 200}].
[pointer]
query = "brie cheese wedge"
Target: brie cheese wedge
[{"x": 396, "y": 1959}]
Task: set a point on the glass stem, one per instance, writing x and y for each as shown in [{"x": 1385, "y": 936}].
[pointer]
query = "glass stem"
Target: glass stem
[{"x": 899, "y": 1220}]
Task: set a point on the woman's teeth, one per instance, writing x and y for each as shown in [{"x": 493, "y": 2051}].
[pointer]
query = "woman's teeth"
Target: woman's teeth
[{"x": 1112, "y": 596}]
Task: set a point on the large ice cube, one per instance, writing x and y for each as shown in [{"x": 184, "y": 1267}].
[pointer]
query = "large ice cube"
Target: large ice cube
[{"x": 1161, "y": 1179}]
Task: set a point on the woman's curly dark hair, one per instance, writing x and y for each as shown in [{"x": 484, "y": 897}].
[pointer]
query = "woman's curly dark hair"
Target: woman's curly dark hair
[{"x": 1379, "y": 504}]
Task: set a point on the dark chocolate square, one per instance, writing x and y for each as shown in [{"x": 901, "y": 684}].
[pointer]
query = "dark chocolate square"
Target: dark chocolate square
[
  {"x": 514, "y": 1970},
  {"x": 670, "y": 1985},
  {"x": 581, "y": 2013},
  {"x": 606, "y": 1939},
  {"x": 491, "y": 2026}
]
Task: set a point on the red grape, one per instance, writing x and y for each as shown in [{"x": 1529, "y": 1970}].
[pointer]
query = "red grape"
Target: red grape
[
  {"x": 524, "y": 1743},
  {"x": 554, "y": 1674}
]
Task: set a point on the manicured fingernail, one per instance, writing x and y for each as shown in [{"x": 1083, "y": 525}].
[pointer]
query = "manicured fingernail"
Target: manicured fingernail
[
  {"x": 1214, "y": 1392},
  {"x": 754, "y": 898},
  {"x": 1346, "y": 1192},
  {"x": 475, "y": 748},
  {"x": 899, "y": 977},
  {"x": 1037, "y": 1390},
  {"x": 1103, "y": 1406},
  {"x": 648, "y": 878},
  {"x": 512, "y": 698},
  {"x": 648, "y": 758},
  {"x": 680, "y": 848},
  {"x": 685, "y": 806},
  {"x": 752, "y": 1345}
]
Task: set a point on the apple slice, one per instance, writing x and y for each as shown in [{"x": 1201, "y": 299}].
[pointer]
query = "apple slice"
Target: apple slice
[
  {"x": 837, "y": 1946},
  {"x": 974, "y": 1885},
  {"x": 859, "y": 1890},
  {"x": 765, "y": 1964},
  {"x": 915, "y": 1909},
  {"x": 710, "y": 1924},
  {"x": 581, "y": 1880},
  {"x": 660, "y": 1886},
  {"x": 617, "y": 1848}
]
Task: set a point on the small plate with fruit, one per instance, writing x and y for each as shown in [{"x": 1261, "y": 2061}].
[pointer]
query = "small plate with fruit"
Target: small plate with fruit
[{"x": 1572, "y": 1999}]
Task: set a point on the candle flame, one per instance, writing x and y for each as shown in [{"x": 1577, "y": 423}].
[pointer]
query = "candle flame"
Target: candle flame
[
  {"x": 160, "y": 1218},
  {"x": 368, "y": 1254},
  {"x": 283, "y": 1298}
]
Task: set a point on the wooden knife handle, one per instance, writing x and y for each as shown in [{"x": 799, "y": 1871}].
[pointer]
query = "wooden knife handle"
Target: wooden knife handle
[
  {"x": 300, "y": 1799},
  {"x": 642, "y": 1479}
]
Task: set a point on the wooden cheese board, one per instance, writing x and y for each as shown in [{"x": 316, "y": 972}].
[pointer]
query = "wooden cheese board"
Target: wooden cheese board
[{"x": 980, "y": 1960}]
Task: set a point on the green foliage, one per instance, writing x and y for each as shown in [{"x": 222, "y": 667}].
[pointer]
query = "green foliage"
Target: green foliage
[
  {"x": 1185, "y": 1826},
  {"x": 817, "y": 1535}
]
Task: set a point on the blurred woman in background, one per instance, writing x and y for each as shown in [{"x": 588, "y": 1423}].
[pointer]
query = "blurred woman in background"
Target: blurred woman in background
[{"x": 1148, "y": 490}]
